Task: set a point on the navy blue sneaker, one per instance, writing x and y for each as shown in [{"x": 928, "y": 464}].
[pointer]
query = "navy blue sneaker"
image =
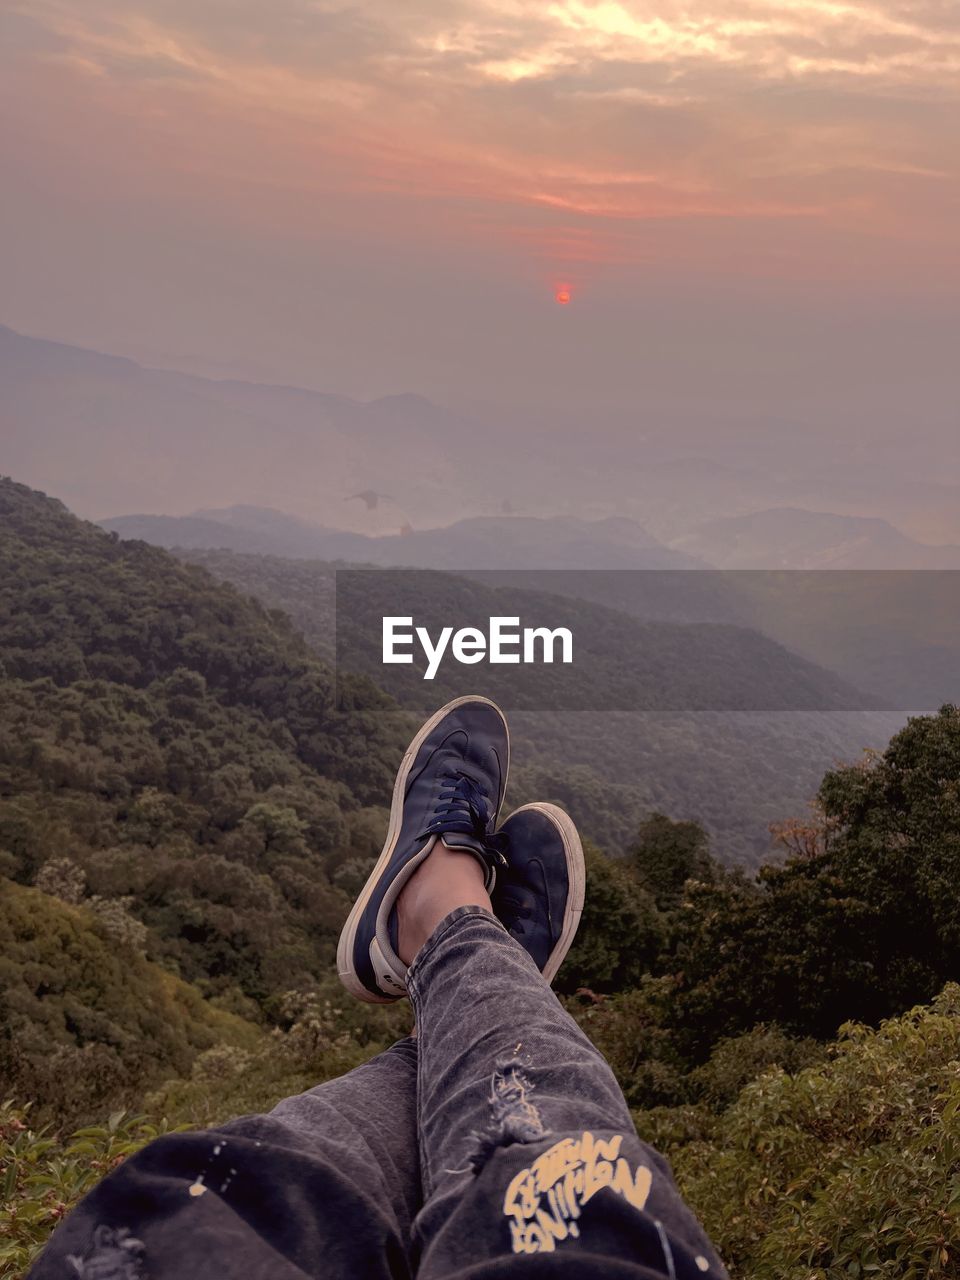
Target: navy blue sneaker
[
  {"x": 450, "y": 787},
  {"x": 539, "y": 893}
]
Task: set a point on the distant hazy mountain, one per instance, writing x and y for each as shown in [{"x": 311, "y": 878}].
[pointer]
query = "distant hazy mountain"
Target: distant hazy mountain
[
  {"x": 793, "y": 538},
  {"x": 622, "y": 661},
  {"x": 105, "y": 433},
  {"x": 891, "y": 634},
  {"x": 111, "y": 435},
  {"x": 481, "y": 542}
]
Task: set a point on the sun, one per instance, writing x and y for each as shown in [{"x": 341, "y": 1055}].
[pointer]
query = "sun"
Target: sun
[{"x": 563, "y": 296}]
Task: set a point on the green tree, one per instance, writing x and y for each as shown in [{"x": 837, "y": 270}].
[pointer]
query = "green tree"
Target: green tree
[
  {"x": 666, "y": 854},
  {"x": 863, "y": 923},
  {"x": 621, "y": 932}
]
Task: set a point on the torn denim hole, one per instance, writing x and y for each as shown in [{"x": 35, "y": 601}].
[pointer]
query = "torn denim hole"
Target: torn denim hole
[
  {"x": 114, "y": 1255},
  {"x": 513, "y": 1117}
]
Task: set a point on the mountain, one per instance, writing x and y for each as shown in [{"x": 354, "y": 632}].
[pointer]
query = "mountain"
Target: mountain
[
  {"x": 619, "y": 662},
  {"x": 254, "y": 714},
  {"x": 736, "y": 772},
  {"x": 479, "y": 542},
  {"x": 793, "y": 538},
  {"x": 184, "y": 749},
  {"x": 622, "y": 661},
  {"x": 106, "y": 432},
  {"x": 111, "y": 435},
  {"x": 892, "y": 636},
  {"x": 186, "y": 810}
]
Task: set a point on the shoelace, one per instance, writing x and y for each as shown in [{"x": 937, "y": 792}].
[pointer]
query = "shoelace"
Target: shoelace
[{"x": 463, "y": 805}]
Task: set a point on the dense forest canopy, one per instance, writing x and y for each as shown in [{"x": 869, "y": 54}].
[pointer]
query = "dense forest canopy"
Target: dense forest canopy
[{"x": 172, "y": 753}]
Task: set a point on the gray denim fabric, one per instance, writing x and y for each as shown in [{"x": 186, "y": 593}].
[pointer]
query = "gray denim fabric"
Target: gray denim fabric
[
  {"x": 506, "y": 1076},
  {"x": 497, "y": 1143},
  {"x": 367, "y": 1120}
]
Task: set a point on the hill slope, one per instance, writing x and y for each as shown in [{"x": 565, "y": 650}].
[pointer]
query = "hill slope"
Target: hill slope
[
  {"x": 891, "y": 634},
  {"x": 793, "y": 538},
  {"x": 183, "y": 746},
  {"x": 85, "y": 1021},
  {"x": 479, "y": 542},
  {"x": 93, "y": 427}
]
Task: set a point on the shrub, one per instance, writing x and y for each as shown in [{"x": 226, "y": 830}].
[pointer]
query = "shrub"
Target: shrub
[
  {"x": 848, "y": 1168},
  {"x": 43, "y": 1176}
]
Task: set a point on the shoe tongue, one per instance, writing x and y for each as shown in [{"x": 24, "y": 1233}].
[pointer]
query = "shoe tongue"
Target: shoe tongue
[{"x": 463, "y": 842}]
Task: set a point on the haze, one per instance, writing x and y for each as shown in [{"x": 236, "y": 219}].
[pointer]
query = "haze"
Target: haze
[{"x": 754, "y": 206}]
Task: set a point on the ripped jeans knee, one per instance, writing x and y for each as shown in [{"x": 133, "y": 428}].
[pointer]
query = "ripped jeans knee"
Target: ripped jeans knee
[{"x": 513, "y": 1117}]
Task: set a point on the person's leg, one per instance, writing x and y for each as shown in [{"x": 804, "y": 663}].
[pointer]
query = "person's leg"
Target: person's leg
[
  {"x": 366, "y": 1120},
  {"x": 325, "y": 1185},
  {"x": 526, "y": 1143}
]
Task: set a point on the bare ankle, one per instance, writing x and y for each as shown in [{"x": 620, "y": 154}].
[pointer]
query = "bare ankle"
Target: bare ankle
[{"x": 447, "y": 879}]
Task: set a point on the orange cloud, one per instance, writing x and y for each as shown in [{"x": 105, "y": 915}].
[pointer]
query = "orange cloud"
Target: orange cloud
[{"x": 596, "y": 111}]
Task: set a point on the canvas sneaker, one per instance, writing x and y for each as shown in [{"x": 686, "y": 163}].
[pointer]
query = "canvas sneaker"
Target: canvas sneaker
[
  {"x": 450, "y": 787},
  {"x": 540, "y": 890}
]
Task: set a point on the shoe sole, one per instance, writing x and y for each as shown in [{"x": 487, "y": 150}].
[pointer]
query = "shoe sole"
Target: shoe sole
[
  {"x": 348, "y": 936},
  {"x": 576, "y": 880}
]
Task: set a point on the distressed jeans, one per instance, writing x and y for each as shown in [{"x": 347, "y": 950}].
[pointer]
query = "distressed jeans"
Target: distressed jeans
[{"x": 495, "y": 1143}]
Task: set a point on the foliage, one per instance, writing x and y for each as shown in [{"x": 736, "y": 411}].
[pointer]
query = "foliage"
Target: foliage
[
  {"x": 304, "y": 590},
  {"x": 629, "y": 1031},
  {"x": 318, "y": 1034},
  {"x": 173, "y": 756},
  {"x": 77, "y": 604},
  {"x": 861, "y": 925},
  {"x": 736, "y": 1061},
  {"x": 666, "y": 854},
  {"x": 86, "y": 1022},
  {"x": 850, "y": 1167},
  {"x": 43, "y": 1175},
  {"x": 62, "y": 878},
  {"x": 621, "y": 931}
]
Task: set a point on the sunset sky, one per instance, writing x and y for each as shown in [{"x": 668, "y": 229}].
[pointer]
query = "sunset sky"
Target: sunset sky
[{"x": 754, "y": 202}]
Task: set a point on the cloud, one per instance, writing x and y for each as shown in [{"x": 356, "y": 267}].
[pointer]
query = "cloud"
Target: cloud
[{"x": 596, "y": 111}]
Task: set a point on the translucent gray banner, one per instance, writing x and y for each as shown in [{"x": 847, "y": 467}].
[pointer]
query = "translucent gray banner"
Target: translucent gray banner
[{"x": 655, "y": 640}]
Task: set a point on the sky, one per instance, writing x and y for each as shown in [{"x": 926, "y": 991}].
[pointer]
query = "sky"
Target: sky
[{"x": 752, "y": 205}]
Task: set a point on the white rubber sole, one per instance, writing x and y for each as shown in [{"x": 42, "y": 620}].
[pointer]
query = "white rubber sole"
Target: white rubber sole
[
  {"x": 576, "y": 878},
  {"x": 348, "y": 935}
]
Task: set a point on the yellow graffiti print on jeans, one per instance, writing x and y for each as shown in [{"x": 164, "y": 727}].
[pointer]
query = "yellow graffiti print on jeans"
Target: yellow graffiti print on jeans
[{"x": 544, "y": 1201}]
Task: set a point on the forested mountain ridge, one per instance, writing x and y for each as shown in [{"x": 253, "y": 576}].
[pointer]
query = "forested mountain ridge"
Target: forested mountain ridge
[
  {"x": 76, "y": 603},
  {"x": 171, "y": 752}
]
